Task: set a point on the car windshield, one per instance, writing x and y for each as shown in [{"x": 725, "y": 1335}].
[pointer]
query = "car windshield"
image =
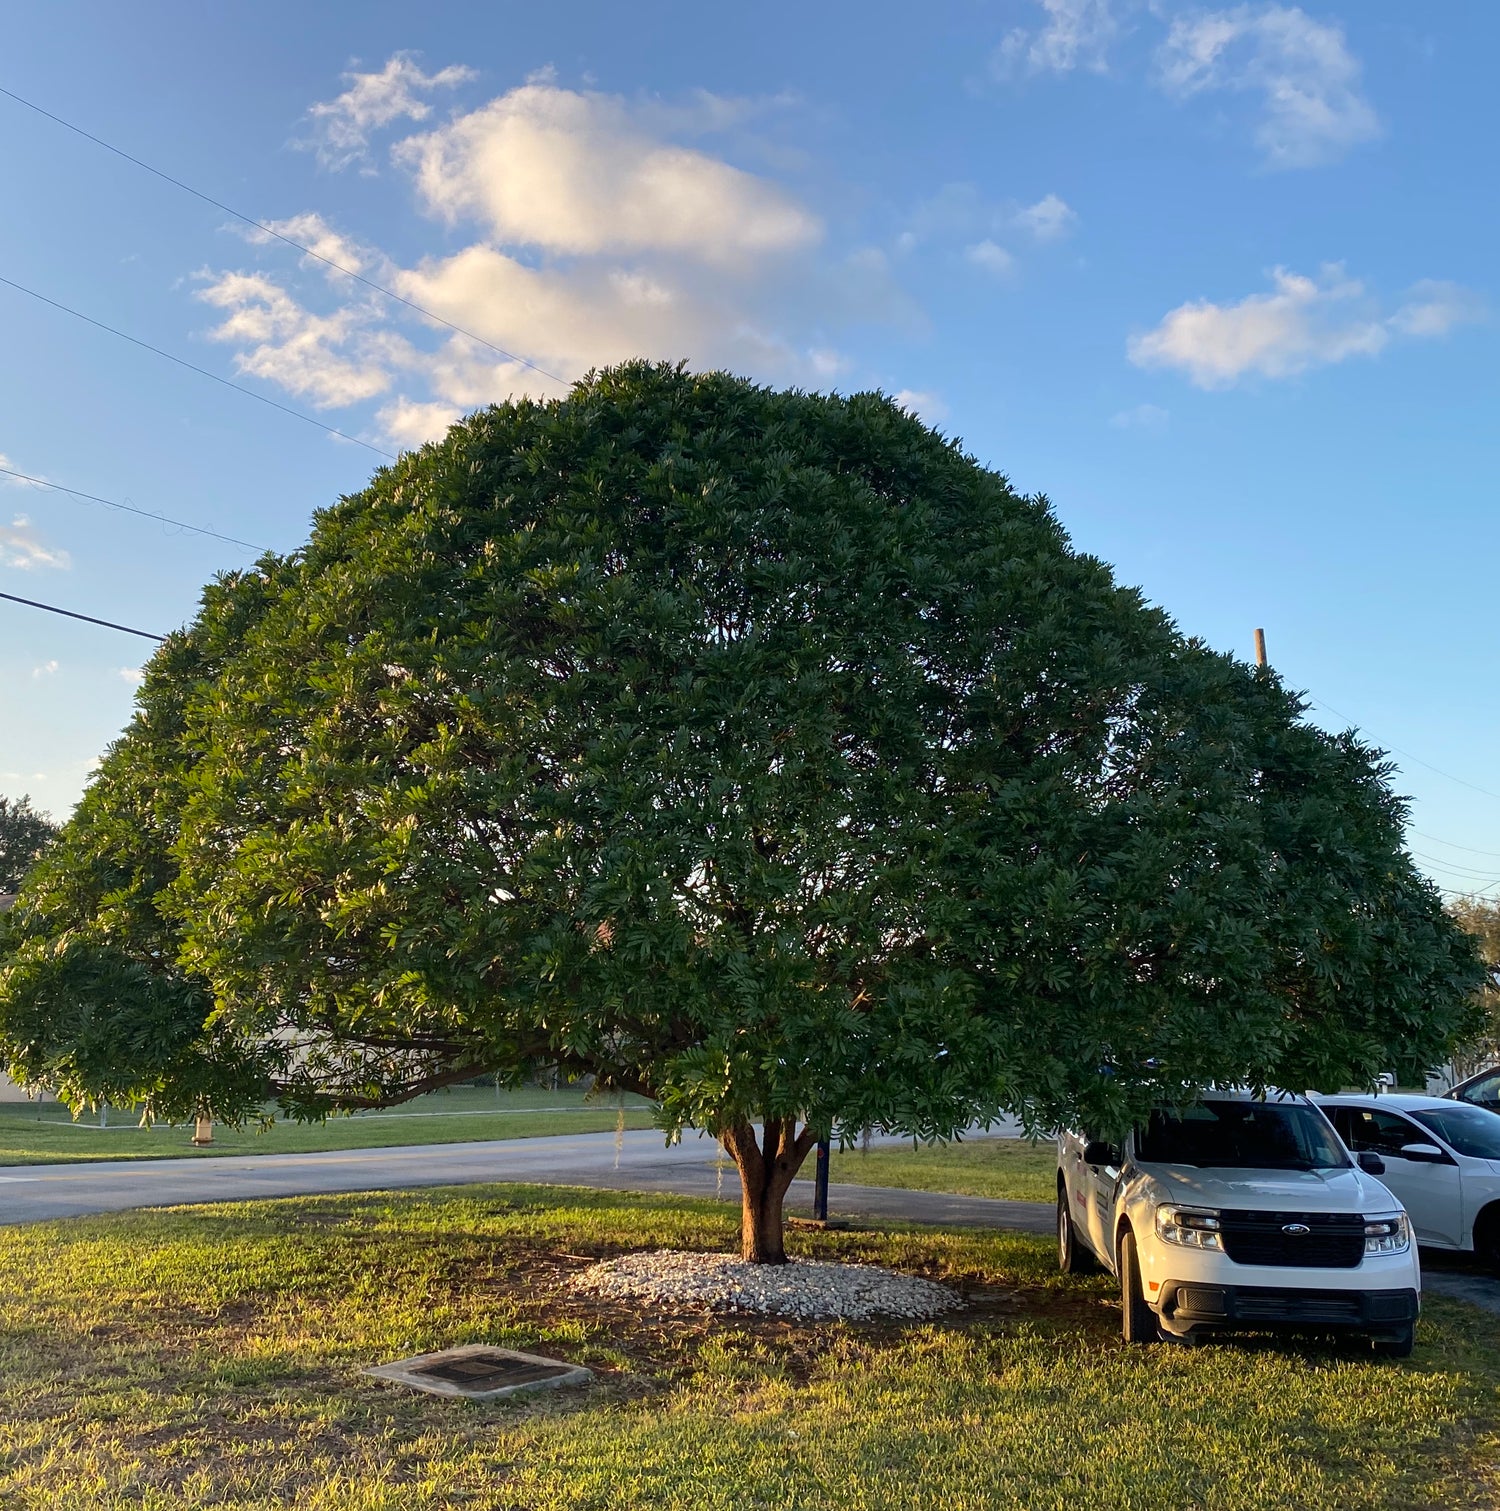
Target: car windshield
[
  {"x": 1242, "y": 1136},
  {"x": 1474, "y": 1131}
]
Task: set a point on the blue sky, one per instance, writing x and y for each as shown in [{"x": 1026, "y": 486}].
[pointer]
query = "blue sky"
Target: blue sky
[{"x": 1217, "y": 281}]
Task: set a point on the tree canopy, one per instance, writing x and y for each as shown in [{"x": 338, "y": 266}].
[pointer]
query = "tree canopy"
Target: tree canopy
[
  {"x": 24, "y": 834},
  {"x": 760, "y": 752}
]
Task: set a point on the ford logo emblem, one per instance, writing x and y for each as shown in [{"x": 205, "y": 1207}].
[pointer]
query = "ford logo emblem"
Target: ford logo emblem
[{"x": 1296, "y": 1227}]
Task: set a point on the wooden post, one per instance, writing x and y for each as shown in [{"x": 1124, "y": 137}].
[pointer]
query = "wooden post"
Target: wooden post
[
  {"x": 820, "y": 1183},
  {"x": 1260, "y": 648}
]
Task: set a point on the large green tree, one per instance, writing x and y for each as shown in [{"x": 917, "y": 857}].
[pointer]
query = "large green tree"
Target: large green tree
[{"x": 759, "y": 752}]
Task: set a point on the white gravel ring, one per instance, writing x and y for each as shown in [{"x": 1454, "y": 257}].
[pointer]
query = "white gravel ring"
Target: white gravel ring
[{"x": 803, "y": 1289}]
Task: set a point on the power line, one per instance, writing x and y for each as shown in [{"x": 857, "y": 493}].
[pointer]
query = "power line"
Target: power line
[
  {"x": 267, "y": 230},
  {"x": 1435, "y": 839},
  {"x": 1458, "y": 896},
  {"x": 110, "y": 503},
  {"x": 1448, "y": 865},
  {"x": 202, "y": 372},
  {"x": 1410, "y": 757},
  {"x": 52, "y": 608},
  {"x": 1493, "y": 854}
]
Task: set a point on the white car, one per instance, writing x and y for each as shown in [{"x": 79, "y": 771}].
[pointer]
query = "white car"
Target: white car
[
  {"x": 1442, "y": 1159},
  {"x": 1237, "y": 1213}
]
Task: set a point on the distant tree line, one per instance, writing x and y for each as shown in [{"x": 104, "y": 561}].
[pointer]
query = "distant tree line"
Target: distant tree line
[
  {"x": 1481, "y": 917},
  {"x": 24, "y": 834}
]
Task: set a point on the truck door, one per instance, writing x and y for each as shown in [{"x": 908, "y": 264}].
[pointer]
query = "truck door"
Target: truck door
[{"x": 1101, "y": 1181}]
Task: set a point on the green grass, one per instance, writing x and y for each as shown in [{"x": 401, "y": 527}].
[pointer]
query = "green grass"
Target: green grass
[
  {"x": 43, "y": 1133},
  {"x": 210, "y": 1357},
  {"x": 1009, "y": 1168}
]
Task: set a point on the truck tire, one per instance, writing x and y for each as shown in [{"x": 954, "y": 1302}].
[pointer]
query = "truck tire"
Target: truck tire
[
  {"x": 1073, "y": 1257},
  {"x": 1138, "y": 1322},
  {"x": 1396, "y": 1345}
]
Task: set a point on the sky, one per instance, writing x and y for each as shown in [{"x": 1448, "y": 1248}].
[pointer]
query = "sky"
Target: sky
[{"x": 1219, "y": 282}]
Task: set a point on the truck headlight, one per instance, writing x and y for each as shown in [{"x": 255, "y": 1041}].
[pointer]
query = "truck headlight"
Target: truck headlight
[
  {"x": 1387, "y": 1233},
  {"x": 1189, "y": 1227}
]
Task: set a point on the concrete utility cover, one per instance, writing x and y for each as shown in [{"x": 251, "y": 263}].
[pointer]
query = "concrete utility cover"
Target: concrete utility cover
[{"x": 478, "y": 1372}]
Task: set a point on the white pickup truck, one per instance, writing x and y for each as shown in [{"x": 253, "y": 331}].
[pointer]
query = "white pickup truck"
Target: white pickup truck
[{"x": 1239, "y": 1213}]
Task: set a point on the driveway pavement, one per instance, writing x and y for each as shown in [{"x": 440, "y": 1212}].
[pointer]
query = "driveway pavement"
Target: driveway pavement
[{"x": 29, "y": 1193}]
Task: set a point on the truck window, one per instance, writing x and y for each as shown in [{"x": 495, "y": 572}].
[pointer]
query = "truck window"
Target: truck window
[{"x": 1241, "y": 1136}]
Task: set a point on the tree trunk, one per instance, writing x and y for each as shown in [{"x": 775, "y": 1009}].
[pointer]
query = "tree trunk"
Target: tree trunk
[{"x": 765, "y": 1175}]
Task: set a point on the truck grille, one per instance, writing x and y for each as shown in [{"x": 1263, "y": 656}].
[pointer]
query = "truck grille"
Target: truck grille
[
  {"x": 1255, "y": 1304},
  {"x": 1334, "y": 1240}
]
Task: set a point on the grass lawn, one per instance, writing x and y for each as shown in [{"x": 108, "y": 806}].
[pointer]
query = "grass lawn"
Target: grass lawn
[
  {"x": 44, "y": 1133},
  {"x": 1009, "y": 1168},
  {"x": 210, "y": 1356}
]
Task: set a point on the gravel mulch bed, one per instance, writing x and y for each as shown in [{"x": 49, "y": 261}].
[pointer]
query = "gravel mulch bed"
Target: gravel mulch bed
[{"x": 803, "y": 1289}]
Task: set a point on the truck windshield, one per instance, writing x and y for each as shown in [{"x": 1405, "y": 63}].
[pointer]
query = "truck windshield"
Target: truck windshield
[{"x": 1241, "y": 1136}]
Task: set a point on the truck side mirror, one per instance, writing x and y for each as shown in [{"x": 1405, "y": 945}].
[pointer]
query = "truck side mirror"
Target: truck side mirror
[
  {"x": 1097, "y": 1152},
  {"x": 1370, "y": 1162}
]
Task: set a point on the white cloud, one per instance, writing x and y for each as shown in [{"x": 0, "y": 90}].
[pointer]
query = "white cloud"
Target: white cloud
[
  {"x": 130, "y": 674},
  {"x": 581, "y": 175},
  {"x": 959, "y": 212},
  {"x": 994, "y": 259},
  {"x": 926, "y": 406},
  {"x": 1309, "y": 82},
  {"x": 1077, "y": 34},
  {"x": 600, "y": 237},
  {"x": 331, "y": 359},
  {"x": 1434, "y": 308},
  {"x": 21, "y": 547},
  {"x": 46, "y": 669},
  {"x": 14, "y": 482},
  {"x": 410, "y": 422},
  {"x": 1303, "y": 323},
  {"x": 310, "y": 230},
  {"x": 1141, "y": 417},
  {"x": 341, "y": 127},
  {"x": 1049, "y": 219}
]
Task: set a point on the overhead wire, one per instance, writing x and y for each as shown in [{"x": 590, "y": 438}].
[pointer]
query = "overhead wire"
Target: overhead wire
[
  {"x": 290, "y": 241},
  {"x": 1457, "y": 870},
  {"x": 202, "y": 372},
  {"x": 1473, "y": 896},
  {"x": 110, "y": 503},
  {"x": 1454, "y": 845},
  {"x": 108, "y": 624},
  {"x": 1489, "y": 879},
  {"x": 1473, "y": 786}
]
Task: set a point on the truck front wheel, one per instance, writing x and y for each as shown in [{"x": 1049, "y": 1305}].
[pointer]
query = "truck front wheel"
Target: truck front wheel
[
  {"x": 1138, "y": 1322},
  {"x": 1396, "y": 1345}
]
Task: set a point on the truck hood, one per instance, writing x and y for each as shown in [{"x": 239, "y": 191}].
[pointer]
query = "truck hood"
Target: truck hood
[{"x": 1349, "y": 1190}]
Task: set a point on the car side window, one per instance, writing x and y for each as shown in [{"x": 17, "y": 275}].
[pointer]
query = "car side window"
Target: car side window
[
  {"x": 1342, "y": 1119},
  {"x": 1383, "y": 1132},
  {"x": 1486, "y": 1091}
]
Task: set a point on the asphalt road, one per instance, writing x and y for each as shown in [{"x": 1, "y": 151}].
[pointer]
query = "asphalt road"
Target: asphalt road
[{"x": 29, "y": 1193}]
